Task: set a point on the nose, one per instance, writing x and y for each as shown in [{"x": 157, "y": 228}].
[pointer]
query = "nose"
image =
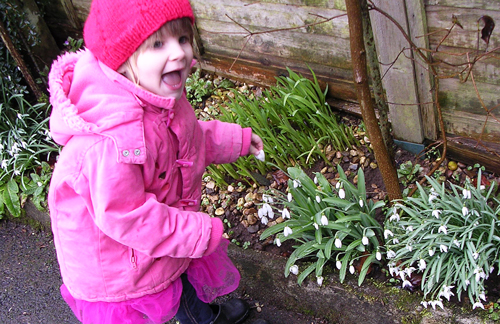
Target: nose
[{"x": 176, "y": 50}]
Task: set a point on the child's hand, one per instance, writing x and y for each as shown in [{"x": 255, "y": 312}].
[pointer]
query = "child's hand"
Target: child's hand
[{"x": 257, "y": 146}]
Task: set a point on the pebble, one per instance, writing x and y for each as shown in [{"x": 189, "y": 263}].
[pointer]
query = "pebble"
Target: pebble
[
  {"x": 211, "y": 185},
  {"x": 253, "y": 229},
  {"x": 373, "y": 165},
  {"x": 219, "y": 211}
]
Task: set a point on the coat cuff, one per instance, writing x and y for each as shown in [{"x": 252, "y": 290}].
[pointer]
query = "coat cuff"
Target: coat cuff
[
  {"x": 215, "y": 236},
  {"x": 246, "y": 141}
]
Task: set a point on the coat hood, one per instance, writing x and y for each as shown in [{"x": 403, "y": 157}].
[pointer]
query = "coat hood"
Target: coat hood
[{"x": 90, "y": 98}]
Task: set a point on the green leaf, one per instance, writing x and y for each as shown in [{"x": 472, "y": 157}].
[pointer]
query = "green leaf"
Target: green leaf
[
  {"x": 11, "y": 199},
  {"x": 303, "y": 275},
  {"x": 364, "y": 269}
]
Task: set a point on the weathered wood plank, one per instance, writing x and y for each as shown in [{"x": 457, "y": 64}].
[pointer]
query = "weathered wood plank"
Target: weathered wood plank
[
  {"x": 471, "y": 125},
  {"x": 440, "y": 19},
  {"x": 467, "y": 4},
  {"x": 471, "y": 152},
  {"x": 82, "y": 8}
]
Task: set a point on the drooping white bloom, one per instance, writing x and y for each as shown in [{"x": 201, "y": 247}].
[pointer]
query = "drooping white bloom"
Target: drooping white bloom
[
  {"x": 482, "y": 187},
  {"x": 432, "y": 196},
  {"x": 443, "y": 229},
  {"x": 297, "y": 183},
  {"x": 351, "y": 269},
  {"x": 316, "y": 226},
  {"x": 446, "y": 292},
  {"x": 456, "y": 242},
  {"x": 294, "y": 269},
  {"x": 277, "y": 241},
  {"x": 324, "y": 220},
  {"x": 318, "y": 199},
  {"x": 361, "y": 203},
  {"x": 395, "y": 241},
  {"x": 479, "y": 274},
  {"x": 338, "y": 264},
  {"x": 482, "y": 296},
  {"x": 391, "y": 254},
  {"x": 378, "y": 256},
  {"x": 338, "y": 243},
  {"x": 287, "y": 231},
  {"x": 315, "y": 180},
  {"x": 394, "y": 218},
  {"x": 407, "y": 283},
  {"x": 466, "y": 193},
  {"x": 285, "y": 213},
  {"x": 424, "y": 303},
  {"x": 409, "y": 229},
  {"x": 409, "y": 271},
  {"x": 264, "y": 220},
  {"x": 422, "y": 265},
  {"x": 341, "y": 193},
  {"x": 435, "y": 303},
  {"x": 290, "y": 197},
  {"x": 337, "y": 185},
  {"x": 261, "y": 156},
  {"x": 39, "y": 184},
  {"x": 465, "y": 211},
  {"x": 319, "y": 280},
  {"x": 5, "y": 164},
  {"x": 478, "y": 304},
  {"x": 365, "y": 240},
  {"x": 431, "y": 252},
  {"x": 409, "y": 247},
  {"x": 388, "y": 233},
  {"x": 436, "y": 213},
  {"x": 475, "y": 255},
  {"x": 492, "y": 268},
  {"x": 443, "y": 248},
  {"x": 467, "y": 282},
  {"x": 267, "y": 198}
]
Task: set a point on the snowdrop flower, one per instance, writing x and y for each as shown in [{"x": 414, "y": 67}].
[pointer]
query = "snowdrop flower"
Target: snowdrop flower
[
  {"x": 266, "y": 210},
  {"x": 341, "y": 193},
  {"x": 482, "y": 296},
  {"x": 432, "y": 196},
  {"x": 287, "y": 231},
  {"x": 482, "y": 187},
  {"x": 424, "y": 303},
  {"x": 17, "y": 172},
  {"x": 479, "y": 274},
  {"x": 338, "y": 264},
  {"x": 387, "y": 233},
  {"x": 492, "y": 268},
  {"x": 467, "y": 282},
  {"x": 351, "y": 269},
  {"x": 324, "y": 220},
  {"x": 264, "y": 220},
  {"x": 316, "y": 226},
  {"x": 431, "y": 252},
  {"x": 395, "y": 241},
  {"x": 446, "y": 292},
  {"x": 443, "y": 229},
  {"x": 267, "y": 199},
  {"x": 409, "y": 248},
  {"x": 436, "y": 213},
  {"x": 338, "y": 243},
  {"x": 407, "y": 283},
  {"x": 261, "y": 156},
  {"x": 456, "y": 242},
  {"x": 315, "y": 180},
  {"x": 290, "y": 197},
  {"x": 337, "y": 185},
  {"x": 364, "y": 240},
  {"x": 285, "y": 213},
  {"x": 466, "y": 194},
  {"x": 39, "y": 184},
  {"x": 435, "y": 303},
  {"x": 318, "y": 199},
  {"x": 319, "y": 280},
  {"x": 394, "y": 217},
  {"x": 465, "y": 211},
  {"x": 294, "y": 269},
  {"x": 475, "y": 255},
  {"x": 378, "y": 256},
  {"x": 391, "y": 254},
  {"x": 5, "y": 164},
  {"x": 478, "y": 304},
  {"x": 409, "y": 271},
  {"x": 361, "y": 203},
  {"x": 443, "y": 248},
  {"x": 296, "y": 183},
  {"x": 409, "y": 229},
  {"x": 277, "y": 241},
  {"x": 422, "y": 265},
  {"x": 393, "y": 271}
]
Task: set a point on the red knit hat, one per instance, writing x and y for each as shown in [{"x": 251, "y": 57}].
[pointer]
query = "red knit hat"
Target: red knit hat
[{"x": 116, "y": 28}]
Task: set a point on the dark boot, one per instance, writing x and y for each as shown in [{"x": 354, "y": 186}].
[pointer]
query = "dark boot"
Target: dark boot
[{"x": 234, "y": 311}]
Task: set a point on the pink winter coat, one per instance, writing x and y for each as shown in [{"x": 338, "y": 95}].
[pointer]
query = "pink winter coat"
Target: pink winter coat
[{"x": 125, "y": 193}]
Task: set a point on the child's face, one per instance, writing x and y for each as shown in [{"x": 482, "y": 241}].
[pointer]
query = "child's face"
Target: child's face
[{"x": 164, "y": 67}]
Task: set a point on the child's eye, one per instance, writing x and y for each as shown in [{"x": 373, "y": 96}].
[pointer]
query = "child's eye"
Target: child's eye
[
  {"x": 183, "y": 40},
  {"x": 157, "y": 44}
]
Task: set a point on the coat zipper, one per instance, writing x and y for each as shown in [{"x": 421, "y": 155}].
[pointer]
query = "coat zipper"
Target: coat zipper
[{"x": 133, "y": 259}]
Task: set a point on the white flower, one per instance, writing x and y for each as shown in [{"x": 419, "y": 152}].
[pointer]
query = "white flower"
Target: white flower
[
  {"x": 482, "y": 187},
  {"x": 338, "y": 264},
  {"x": 296, "y": 183},
  {"x": 475, "y": 255},
  {"x": 266, "y": 210},
  {"x": 436, "y": 213},
  {"x": 432, "y": 196},
  {"x": 294, "y": 269},
  {"x": 393, "y": 271},
  {"x": 361, "y": 203},
  {"x": 261, "y": 156},
  {"x": 478, "y": 304},
  {"x": 422, "y": 265},
  {"x": 446, "y": 292},
  {"x": 467, "y": 282},
  {"x": 482, "y": 296},
  {"x": 435, "y": 303},
  {"x": 17, "y": 172},
  {"x": 341, "y": 193},
  {"x": 285, "y": 213},
  {"x": 264, "y": 220},
  {"x": 492, "y": 268},
  {"x": 391, "y": 254},
  {"x": 387, "y": 233},
  {"x": 409, "y": 271},
  {"x": 466, "y": 194},
  {"x": 318, "y": 199},
  {"x": 479, "y": 274},
  {"x": 324, "y": 220},
  {"x": 267, "y": 198},
  {"x": 315, "y": 180},
  {"x": 378, "y": 256},
  {"x": 290, "y": 197},
  {"x": 395, "y": 241},
  {"x": 277, "y": 241},
  {"x": 338, "y": 243},
  {"x": 394, "y": 217},
  {"x": 431, "y": 252},
  {"x": 270, "y": 211},
  {"x": 456, "y": 242},
  {"x": 409, "y": 229},
  {"x": 407, "y": 283},
  {"x": 409, "y": 248},
  {"x": 465, "y": 211},
  {"x": 319, "y": 280},
  {"x": 364, "y": 240},
  {"x": 351, "y": 269},
  {"x": 5, "y": 164},
  {"x": 443, "y": 229},
  {"x": 39, "y": 184},
  {"x": 337, "y": 185},
  {"x": 443, "y": 248},
  {"x": 316, "y": 226},
  {"x": 424, "y": 303},
  {"x": 287, "y": 231}
]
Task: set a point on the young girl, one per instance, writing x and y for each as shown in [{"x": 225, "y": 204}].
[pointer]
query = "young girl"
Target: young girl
[{"x": 125, "y": 194}]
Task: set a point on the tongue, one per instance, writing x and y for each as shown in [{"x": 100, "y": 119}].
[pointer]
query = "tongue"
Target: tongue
[{"x": 172, "y": 78}]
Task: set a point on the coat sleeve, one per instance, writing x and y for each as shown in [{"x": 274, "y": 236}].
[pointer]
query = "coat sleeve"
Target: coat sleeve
[
  {"x": 225, "y": 142},
  {"x": 123, "y": 210}
]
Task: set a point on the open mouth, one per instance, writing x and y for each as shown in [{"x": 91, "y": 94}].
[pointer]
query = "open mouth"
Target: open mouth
[{"x": 173, "y": 79}]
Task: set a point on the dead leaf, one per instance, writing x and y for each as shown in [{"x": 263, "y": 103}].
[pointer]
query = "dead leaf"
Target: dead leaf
[{"x": 489, "y": 25}]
